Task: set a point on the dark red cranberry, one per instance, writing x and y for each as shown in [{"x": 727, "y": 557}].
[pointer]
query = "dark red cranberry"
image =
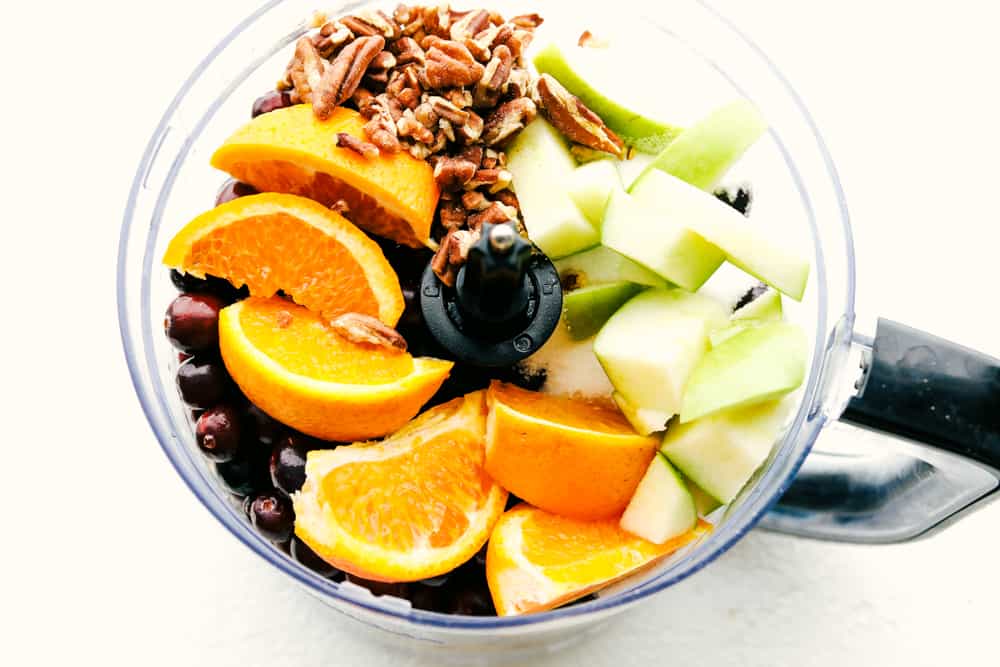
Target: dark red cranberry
[
  {"x": 192, "y": 322},
  {"x": 266, "y": 428},
  {"x": 428, "y": 598},
  {"x": 399, "y": 590},
  {"x": 182, "y": 357},
  {"x": 202, "y": 382},
  {"x": 270, "y": 101},
  {"x": 221, "y": 288},
  {"x": 233, "y": 189},
  {"x": 301, "y": 552},
  {"x": 288, "y": 464},
  {"x": 240, "y": 477},
  {"x": 218, "y": 433},
  {"x": 473, "y": 599},
  {"x": 273, "y": 517}
]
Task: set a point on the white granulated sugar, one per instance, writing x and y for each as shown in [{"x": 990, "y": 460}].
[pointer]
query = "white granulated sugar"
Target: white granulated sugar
[{"x": 571, "y": 366}]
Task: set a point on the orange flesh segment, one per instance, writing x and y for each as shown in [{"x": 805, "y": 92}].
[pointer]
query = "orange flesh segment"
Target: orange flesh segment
[
  {"x": 573, "y": 412},
  {"x": 302, "y": 343}
]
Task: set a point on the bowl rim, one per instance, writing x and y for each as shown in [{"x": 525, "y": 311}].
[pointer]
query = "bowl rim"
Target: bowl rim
[{"x": 743, "y": 521}]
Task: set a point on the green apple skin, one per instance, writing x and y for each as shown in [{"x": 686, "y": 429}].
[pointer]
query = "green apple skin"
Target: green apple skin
[
  {"x": 720, "y": 453},
  {"x": 643, "y": 420},
  {"x": 540, "y": 163},
  {"x": 662, "y": 244},
  {"x": 704, "y": 152},
  {"x": 742, "y": 243},
  {"x": 601, "y": 264},
  {"x": 704, "y": 502},
  {"x": 649, "y": 348},
  {"x": 765, "y": 308},
  {"x": 647, "y": 135},
  {"x": 720, "y": 336},
  {"x": 586, "y": 309},
  {"x": 754, "y": 366},
  {"x": 661, "y": 507},
  {"x": 590, "y": 186}
]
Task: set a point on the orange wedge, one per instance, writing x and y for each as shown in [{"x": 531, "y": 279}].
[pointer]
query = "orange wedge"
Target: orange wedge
[
  {"x": 538, "y": 561},
  {"x": 301, "y": 372},
  {"x": 272, "y": 242},
  {"x": 415, "y": 505},
  {"x": 393, "y": 195},
  {"x": 569, "y": 456}
]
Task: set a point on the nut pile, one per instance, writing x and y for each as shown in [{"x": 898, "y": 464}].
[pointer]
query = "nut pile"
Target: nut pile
[{"x": 447, "y": 86}]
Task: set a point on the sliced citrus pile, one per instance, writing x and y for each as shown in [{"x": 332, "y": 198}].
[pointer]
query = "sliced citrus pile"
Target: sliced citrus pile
[
  {"x": 538, "y": 561},
  {"x": 415, "y": 505},
  {"x": 289, "y": 150},
  {"x": 569, "y": 456},
  {"x": 297, "y": 369},
  {"x": 272, "y": 242}
]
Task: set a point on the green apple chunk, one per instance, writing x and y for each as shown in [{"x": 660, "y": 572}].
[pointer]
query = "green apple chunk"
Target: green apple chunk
[
  {"x": 569, "y": 66},
  {"x": 643, "y": 420},
  {"x": 706, "y": 150},
  {"x": 704, "y": 502},
  {"x": 540, "y": 163},
  {"x": 743, "y": 244},
  {"x": 661, "y": 243},
  {"x": 720, "y": 336},
  {"x": 720, "y": 453},
  {"x": 653, "y": 343},
  {"x": 590, "y": 186},
  {"x": 600, "y": 265},
  {"x": 764, "y": 308},
  {"x": 587, "y": 309},
  {"x": 754, "y": 366},
  {"x": 661, "y": 507}
]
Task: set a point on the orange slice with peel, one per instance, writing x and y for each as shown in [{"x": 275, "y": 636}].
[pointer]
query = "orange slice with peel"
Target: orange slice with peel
[
  {"x": 289, "y": 150},
  {"x": 415, "y": 505},
  {"x": 566, "y": 455},
  {"x": 272, "y": 242},
  {"x": 538, "y": 561},
  {"x": 297, "y": 369}
]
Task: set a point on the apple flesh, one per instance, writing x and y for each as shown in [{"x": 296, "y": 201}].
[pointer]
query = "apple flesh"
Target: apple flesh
[
  {"x": 569, "y": 67},
  {"x": 704, "y": 502},
  {"x": 661, "y": 507},
  {"x": 720, "y": 336},
  {"x": 644, "y": 420},
  {"x": 765, "y": 308},
  {"x": 586, "y": 310},
  {"x": 680, "y": 205},
  {"x": 649, "y": 348},
  {"x": 720, "y": 453},
  {"x": 600, "y": 265},
  {"x": 754, "y": 366},
  {"x": 540, "y": 163},
  {"x": 660, "y": 242},
  {"x": 701, "y": 154},
  {"x": 590, "y": 186}
]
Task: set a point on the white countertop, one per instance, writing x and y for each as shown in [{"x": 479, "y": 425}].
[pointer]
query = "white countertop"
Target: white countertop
[{"x": 107, "y": 559}]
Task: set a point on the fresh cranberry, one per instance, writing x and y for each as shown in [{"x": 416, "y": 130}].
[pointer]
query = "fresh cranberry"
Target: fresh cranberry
[
  {"x": 221, "y": 288},
  {"x": 288, "y": 464},
  {"x": 233, "y": 189},
  {"x": 271, "y": 101},
  {"x": 202, "y": 382},
  {"x": 266, "y": 428},
  {"x": 242, "y": 476},
  {"x": 302, "y": 553},
  {"x": 473, "y": 599},
  {"x": 218, "y": 433},
  {"x": 273, "y": 517},
  {"x": 192, "y": 322}
]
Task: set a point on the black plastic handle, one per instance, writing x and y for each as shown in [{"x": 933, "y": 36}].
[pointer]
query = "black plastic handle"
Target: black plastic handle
[{"x": 931, "y": 390}]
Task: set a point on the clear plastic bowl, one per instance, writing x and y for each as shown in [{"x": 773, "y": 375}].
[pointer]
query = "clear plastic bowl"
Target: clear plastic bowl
[{"x": 795, "y": 184}]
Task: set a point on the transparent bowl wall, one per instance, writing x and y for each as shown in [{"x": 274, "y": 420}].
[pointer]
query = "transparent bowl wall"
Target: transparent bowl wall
[{"x": 796, "y": 189}]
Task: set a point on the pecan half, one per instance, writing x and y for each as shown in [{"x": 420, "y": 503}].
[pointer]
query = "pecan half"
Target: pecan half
[
  {"x": 306, "y": 69},
  {"x": 573, "y": 119},
  {"x": 372, "y": 22},
  {"x": 495, "y": 213},
  {"x": 363, "y": 148},
  {"x": 507, "y": 120},
  {"x": 469, "y": 25},
  {"x": 368, "y": 330},
  {"x": 528, "y": 21},
  {"x": 451, "y": 173},
  {"x": 452, "y": 254},
  {"x": 331, "y": 37},
  {"x": 449, "y": 65},
  {"x": 445, "y": 109},
  {"x": 343, "y": 76},
  {"x": 407, "y": 51}
]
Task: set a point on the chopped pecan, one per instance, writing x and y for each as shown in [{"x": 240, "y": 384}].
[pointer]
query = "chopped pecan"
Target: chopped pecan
[
  {"x": 469, "y": 25},
  {"x": 452, "y": 216},
  {"x": 449, "y": 64},
  {"x": 500, "y": 35},
  {"x": 447, "y": 128},
  {"x": 445, "y": 109},
  {"x": 376, "y": 79},
  {"x": 369, "y": 22},
  {"x": 363, "y": 99},
  {"x": 408, "y": 126},
  {"x": 497, "y": 179},
  {"x": 527, "y": 21},
  {"x": 495, "y": 213},
  {"x": 359, "y": 146},
  {"x": 508, "y": 198},
  {"x": 368, "y": 330},
  {"x": 460, "y": 97},
  {"x": 391, "y": 106},
  {"x": 383, "y": 60},
  {"x": 331, "y": 37},
  {"x": 494, "y": 79},
  {"x": 437, "y": 20},
  {"x": 452, "y": 254},
  {"x": 507, "y": 120},
  {"x": 381, "y": 126},
  {"x": 451, "y": 173},
  {"x": 589, "y": 40},
  {"x": 407, "y": 51},
  {"x": 473, "y": 154},
  {"x": 426, "y": 115},
  {"x": 343, "y": 75},
  {"x": 519, "y": 82},
  {"x": 573, "y": 119},
  {"x": 474, "y": 200},
  {"x": 472, "y": 129}
]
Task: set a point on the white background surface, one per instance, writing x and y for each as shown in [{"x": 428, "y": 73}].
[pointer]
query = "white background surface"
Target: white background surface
[{"x": 106, "y": 558}]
